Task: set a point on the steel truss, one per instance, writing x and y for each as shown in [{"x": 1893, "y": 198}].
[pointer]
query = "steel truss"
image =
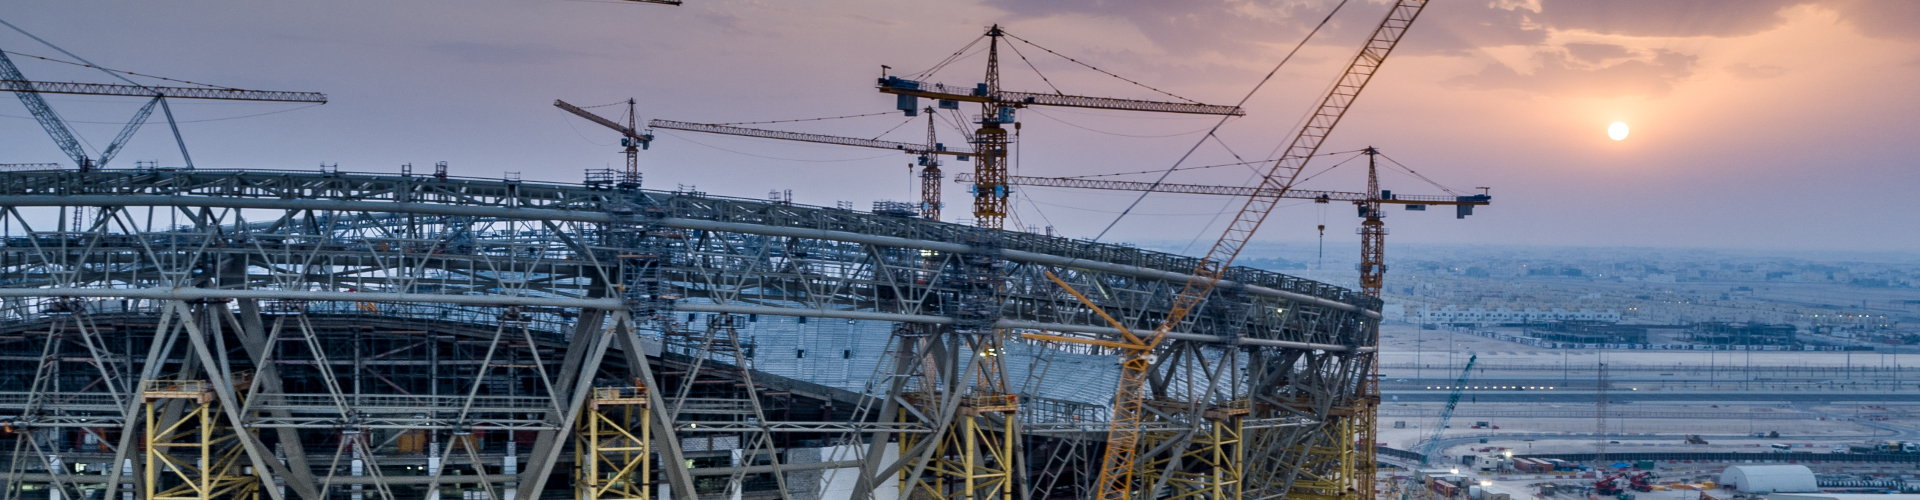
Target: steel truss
[{"x": 422, "y": 337}]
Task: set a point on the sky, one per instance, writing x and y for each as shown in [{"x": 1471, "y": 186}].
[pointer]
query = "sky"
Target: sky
[{"x": 1787, "y": 125}]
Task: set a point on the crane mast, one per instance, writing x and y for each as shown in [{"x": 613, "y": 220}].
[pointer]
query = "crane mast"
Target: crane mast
[
  {"x": 990, "y": 185},
  {"x": 631, "y": 139},
  {"x": 930, "y": 201},
  {"x": 1117, "y": 466},
  {"x": 991, "y": 188},
  {"x": 1373, "y": 232}
]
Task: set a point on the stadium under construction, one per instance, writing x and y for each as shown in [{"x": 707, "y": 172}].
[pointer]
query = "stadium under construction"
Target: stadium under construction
[{"x": 190, "y": 334}]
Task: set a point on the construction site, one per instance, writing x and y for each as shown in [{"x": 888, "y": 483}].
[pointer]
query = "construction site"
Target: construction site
[
  {"x": 417, "y": 333},
  {"x": 185, "y": 333}
]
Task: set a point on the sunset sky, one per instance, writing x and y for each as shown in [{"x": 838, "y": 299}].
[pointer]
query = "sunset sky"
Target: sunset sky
[{"x": 1755, "y": 124}]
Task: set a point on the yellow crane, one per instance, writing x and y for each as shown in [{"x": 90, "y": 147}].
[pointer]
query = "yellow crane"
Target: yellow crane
[
  {"x": 990, "y": 190},
  {"x": 1123, "y": 435}
]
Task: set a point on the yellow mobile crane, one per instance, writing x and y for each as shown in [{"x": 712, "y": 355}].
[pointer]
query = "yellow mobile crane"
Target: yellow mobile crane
[{"x": 1117, "y": 468}]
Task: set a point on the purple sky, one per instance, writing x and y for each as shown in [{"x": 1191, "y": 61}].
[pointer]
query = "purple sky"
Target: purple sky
[{"x": 1762, "y": 124}]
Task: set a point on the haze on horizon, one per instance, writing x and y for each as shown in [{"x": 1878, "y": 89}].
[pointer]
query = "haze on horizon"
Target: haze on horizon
[{"x": 1764, "y": 124}]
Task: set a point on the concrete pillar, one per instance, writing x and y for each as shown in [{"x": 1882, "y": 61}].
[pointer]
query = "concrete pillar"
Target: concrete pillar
[
  {"x": 433, "y": 466},
  {"x": 358, "y": 468},
  {"x": 511, "y": 468}
]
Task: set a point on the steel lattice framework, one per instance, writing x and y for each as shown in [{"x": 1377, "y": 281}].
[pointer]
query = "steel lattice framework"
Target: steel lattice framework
[{"x": 344, "y": 335}]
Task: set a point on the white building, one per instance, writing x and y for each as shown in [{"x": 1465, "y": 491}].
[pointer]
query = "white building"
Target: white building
[
  {"x": 1769, "y": 479},
  {"x": 1479, "y": 316}
]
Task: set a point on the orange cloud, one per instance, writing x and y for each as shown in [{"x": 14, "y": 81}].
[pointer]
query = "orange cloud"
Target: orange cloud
[{"x": 1560, "y": 74}]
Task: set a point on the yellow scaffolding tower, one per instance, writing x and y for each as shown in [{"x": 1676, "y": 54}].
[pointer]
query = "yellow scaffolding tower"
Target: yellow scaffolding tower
[
  {"x": 612, "y": 460},
  {"x": 1329, "y": 467},
  {"x": 1212, "y": 463},
  {"x": 973, "y": 459},
  {"x": 194, "y": 456},
  {"x": 1365, "y": 439}
]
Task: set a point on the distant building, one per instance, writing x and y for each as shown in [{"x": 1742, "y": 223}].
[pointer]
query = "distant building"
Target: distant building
[
  {"x": 1722, "y": 333},
  {"x": 1589, "y": 332},
  {"x": 1452, "y": 315}
]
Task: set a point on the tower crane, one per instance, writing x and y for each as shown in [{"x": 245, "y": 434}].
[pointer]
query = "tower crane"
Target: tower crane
[
  {"x": 990, "y": 190},
  {"x": 929, "y": 153},
  {"x": 630, "y": 138},
  {"x": 1123, "y": 435},
  {"x": 1373, "y": 230},
  {"x": 11, "y": 80}
]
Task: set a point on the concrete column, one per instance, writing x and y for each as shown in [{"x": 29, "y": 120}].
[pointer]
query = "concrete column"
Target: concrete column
[
  {"x": 433, "y": 466},
  {"x": 357, "y": 469},
  {"x": 511, "y": 468}
]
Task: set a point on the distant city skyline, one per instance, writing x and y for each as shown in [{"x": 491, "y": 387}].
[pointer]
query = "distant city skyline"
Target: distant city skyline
[{"x": 1776, "y": 125}]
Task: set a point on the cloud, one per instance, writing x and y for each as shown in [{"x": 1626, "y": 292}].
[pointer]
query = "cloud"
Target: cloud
[
  {"x": 1198, "y": 25},
  {"x": 1881, "y": 18},
  {"x": 500, "y": 54},
  {"x": 1460, "y": 28},
  {"x": 1665, "y": 18},
  {"x": 727, "y": 22},
  {"x": 1558, "y": 74},
  {"x": 1445, "y": 27},
  {"x": 1746, "y": 71},
  {"x": 1596, "y": 52}
]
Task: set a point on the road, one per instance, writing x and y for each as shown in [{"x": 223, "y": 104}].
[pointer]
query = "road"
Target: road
[{"x": 1618, "y": 397}]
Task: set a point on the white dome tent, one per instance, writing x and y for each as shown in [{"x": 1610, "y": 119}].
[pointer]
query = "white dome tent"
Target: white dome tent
[{"x": 1769, "y": 479}]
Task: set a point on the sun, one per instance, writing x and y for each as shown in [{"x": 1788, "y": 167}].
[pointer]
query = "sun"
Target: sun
[{"x": 1618, "y": 131}]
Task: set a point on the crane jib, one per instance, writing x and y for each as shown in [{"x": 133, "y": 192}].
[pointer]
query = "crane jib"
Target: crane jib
[{"x": 941, "y": 91}]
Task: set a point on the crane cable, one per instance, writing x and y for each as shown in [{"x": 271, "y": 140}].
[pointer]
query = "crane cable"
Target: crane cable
[
  {"x": 1108, "y": 73},
  {"x": 1417, "y": 174},
  {"x": 1036, "y": 69},
  {"x": 895, "y": 127},
  {"x": 615, "y": 103},
  {"x": 1089, "y": 176},
  {"x": 84, "y": 65},
  {"x": 949, "y": 60},
  {"x": 808, "y": 119},
  {"x": 75, "y": 57},
  {"x": 685, "y": 138},
  {"x": 1095, "y": 130},
  {"x": 1223, "y": 121}
]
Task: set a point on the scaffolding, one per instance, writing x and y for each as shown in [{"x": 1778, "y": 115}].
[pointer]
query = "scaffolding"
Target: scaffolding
[
  {"x": 1202, "y": 461},
  {"x": 973, "y": 459},
  {"x": 612, "y": 457},
  {"x": 1330, "y": 468},
  {"x": 191, "y": 454}
]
